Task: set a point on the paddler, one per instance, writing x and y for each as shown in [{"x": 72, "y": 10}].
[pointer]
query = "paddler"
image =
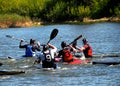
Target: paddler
[
  {"x": 86, "y": 49},
  {"x": 47, "y": 57},
  {"x": 30, "y": 48},
  {"x": 82, "y": 56},
  {"x": 65, "y": 53}
]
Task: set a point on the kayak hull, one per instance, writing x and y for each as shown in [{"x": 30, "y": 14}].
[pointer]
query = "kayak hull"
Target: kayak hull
[
  {"x": 79, "y": 61},
  {"x": 106, "y": 62},
  {"x": 74, "y": 62},
  {"x": 11, "y": 72}
]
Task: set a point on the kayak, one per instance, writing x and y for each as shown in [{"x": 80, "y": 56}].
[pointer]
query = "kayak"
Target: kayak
[
  {"x": 107, "y": 61},
  {"x": 77, "y": 61},
  {"x": 11, "y": 72},
  {"x": 11, "y": 57},
  {"x": 39, "y": 66},
  {"x": 17, "y": 57},
  {"x": 74, "y": 62}
]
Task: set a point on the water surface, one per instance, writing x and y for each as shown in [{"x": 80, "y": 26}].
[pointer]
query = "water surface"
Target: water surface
[{"x": 103, "y": 37}]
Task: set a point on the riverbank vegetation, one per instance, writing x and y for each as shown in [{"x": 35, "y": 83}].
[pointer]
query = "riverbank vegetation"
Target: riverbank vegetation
[{"x": 22, "y": 13}]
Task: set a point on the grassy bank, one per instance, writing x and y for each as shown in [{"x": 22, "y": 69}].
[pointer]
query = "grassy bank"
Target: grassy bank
[{"x": 14, "y": 20}]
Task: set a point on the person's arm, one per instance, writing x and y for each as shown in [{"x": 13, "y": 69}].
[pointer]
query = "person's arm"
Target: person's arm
[
  {"x": 53, "y": 50},
  {"x": 37, "y": 61},
  {"x": 74, "y": 50},
  {"x": 20, "y": 45},
  {"x": 59, "y": 54},
  {"x": 38, "y": 46},
  {"x": 83, "y": 48},
  {"x": 52, "y": 46}
]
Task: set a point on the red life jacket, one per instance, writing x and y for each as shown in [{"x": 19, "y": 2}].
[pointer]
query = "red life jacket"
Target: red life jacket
[
  {"x": 87, "y": 51},
  {"x": 90, "y": 52},
  {"x": 67, "y": 55}
]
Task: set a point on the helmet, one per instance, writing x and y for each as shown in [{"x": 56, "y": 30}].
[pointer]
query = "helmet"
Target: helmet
[
  {"x": 45, "y": 47},
  {"x": 63, "y": 44},
  {"x": 84, "y": 40},
  {"x": 32, "y": 41}
]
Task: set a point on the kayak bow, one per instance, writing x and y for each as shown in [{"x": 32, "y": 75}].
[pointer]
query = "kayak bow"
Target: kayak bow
[{"x": 11, "y": 72}]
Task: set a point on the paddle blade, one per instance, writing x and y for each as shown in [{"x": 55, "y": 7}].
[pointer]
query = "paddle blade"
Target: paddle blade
[
  {"x": 53, "y": 34},
  {"x": 9, "y": 36}
]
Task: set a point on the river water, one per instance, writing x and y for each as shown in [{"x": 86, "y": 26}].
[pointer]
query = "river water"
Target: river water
[{"x": 103, "y": 37}]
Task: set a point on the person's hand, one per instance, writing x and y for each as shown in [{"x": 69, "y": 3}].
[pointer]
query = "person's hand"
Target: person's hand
[
  {"x": 38, "y": 43},
  {"x": 22, "y": 40}
]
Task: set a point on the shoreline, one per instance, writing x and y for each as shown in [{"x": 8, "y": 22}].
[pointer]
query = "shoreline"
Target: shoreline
[{"x": 30, "y": 23}]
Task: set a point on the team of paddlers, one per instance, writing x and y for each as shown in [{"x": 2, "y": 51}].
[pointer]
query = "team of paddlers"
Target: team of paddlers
[{"x": 49, "y": 54}]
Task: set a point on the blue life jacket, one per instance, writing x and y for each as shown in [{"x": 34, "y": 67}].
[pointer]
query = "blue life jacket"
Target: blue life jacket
[{"x": 29, "y": 52}]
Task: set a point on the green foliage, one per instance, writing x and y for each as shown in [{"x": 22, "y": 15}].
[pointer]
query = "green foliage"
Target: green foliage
[
  {"x": 99, "y": 8},
  {"x": 117, "y": 11},
  {"x": 83, "y": 12},
  {"x": 61, "y": 10},
  {"x": 57, "y": 12},
  {"x": 13, "y": 18}
]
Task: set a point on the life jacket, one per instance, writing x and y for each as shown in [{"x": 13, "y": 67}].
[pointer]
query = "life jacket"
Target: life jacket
[
  {"x": 48, "y": 57},
  {"x": 88, "y": 51},
  {"x": 29, "y": 52},
  {"x": 67, "y": 56},
  {"x": 48, "y": 62}
]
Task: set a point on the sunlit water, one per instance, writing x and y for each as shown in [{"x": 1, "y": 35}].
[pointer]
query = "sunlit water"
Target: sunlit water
[{"x": 103, "y": 37}]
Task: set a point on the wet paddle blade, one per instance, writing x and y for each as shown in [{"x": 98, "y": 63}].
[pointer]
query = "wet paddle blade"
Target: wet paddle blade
[
  {"x": 12, "y": 37},
  {"x": 9, "y": 36},
  {"x": 53, "y": 34}
]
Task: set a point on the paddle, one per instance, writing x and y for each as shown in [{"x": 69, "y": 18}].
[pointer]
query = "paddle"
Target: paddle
[
  {"x": 53, "y": 34},
  {"x": 80, "y": 36},
  {"x": 9, "y": 36}
]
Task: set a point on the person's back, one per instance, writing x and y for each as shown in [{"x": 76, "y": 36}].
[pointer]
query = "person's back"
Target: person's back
[
  {"x": 65, "y": 53},
  {"x": 67, "y": 56},
  {"x": 47, "y": 56},
  {"x": 87, "y": 49},
  {"x": 30, "y": 48},
  {"x": 29, "y": 52}
]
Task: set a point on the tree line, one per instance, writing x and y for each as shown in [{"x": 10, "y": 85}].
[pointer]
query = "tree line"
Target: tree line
[{"x": 61, "y": 10}]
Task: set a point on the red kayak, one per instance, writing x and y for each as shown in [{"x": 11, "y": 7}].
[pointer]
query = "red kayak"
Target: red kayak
[
  {"x": 78, "y": 61},
  {"x": 74, "y": 62}
]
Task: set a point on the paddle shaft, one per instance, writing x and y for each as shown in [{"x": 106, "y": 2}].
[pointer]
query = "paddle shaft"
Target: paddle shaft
[
  {"x": 80, "y": 36},
  {"x": 12, "y": 37}
]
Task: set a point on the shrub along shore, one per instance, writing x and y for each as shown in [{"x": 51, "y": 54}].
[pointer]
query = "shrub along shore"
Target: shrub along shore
[
  {"x": 16, "y": 21},
  {"x": 26, "y": 13}
]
